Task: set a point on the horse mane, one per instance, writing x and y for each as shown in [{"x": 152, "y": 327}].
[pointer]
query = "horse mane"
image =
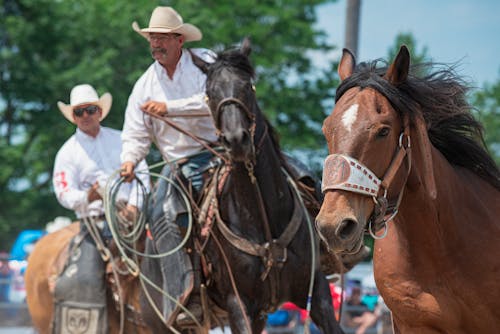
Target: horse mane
[
  {"x": 232, "y": 59},
  {"x": 440, "y": 95}
]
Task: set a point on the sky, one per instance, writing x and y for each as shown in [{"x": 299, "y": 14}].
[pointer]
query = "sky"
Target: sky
[{"x": 464, "y": 31}]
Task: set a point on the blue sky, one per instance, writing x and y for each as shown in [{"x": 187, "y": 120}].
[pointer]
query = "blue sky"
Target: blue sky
[{"x": 467, "y": 31}]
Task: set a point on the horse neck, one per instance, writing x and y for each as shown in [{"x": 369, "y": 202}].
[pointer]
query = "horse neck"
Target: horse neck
[
  {"x": 271, "y": 188},
  {"x": 268, "y": 168},
  {"x": 430, "y": 228}
]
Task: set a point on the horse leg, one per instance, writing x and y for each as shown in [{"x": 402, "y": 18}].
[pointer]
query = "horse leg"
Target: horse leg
[
  {"x": 258, "y": 324},
  {"x": 238, "y": 317},
  {"x": 322, "y": 312}
]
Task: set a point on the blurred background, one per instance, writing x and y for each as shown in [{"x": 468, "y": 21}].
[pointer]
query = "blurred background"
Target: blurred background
[{"x": 49, "y": 46}]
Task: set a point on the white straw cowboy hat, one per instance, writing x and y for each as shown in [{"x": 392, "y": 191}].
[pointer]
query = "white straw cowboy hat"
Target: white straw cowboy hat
[
  {"x": 167, "y": 20},
  {"x": 85, "y": 94}
]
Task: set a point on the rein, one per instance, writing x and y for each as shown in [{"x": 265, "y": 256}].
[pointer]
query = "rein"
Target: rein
[
  {"x": 188, "y": 133},
  {"x": 346, "y": 173}
]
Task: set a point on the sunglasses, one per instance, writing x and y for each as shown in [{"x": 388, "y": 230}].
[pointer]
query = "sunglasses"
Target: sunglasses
[{"x": 78, "y": 112}]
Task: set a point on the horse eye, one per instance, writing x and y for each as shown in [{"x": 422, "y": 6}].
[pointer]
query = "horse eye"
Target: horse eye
[{"x": 384, "y": 132}]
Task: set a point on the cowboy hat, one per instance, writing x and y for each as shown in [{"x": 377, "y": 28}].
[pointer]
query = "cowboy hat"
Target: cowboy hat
[
  {"x": 85, "y": 94},
  {"x": 167, "y": 20}
]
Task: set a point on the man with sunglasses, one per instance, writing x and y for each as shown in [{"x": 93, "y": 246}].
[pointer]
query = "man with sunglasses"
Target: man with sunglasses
[{"x": 82, "y": 168}]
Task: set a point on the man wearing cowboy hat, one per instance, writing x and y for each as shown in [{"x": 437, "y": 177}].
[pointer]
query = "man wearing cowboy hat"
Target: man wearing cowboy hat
[
  {"x": 82, "y": 167},
  {"x": 173, "y": 85}
]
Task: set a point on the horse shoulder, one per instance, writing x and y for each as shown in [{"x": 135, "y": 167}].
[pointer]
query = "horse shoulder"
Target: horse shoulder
[{"x": 43, "y": 263}]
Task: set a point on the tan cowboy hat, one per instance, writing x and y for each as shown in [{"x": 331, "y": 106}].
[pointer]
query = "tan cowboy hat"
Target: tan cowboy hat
[
  {"x": 85, "y": 94},
  {"x": 167, "y": 20}
]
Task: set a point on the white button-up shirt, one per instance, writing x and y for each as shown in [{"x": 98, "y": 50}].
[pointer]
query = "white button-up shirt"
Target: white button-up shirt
[
  {"x": 183, "y": 94},
  {"x": 82, "y": 161}
]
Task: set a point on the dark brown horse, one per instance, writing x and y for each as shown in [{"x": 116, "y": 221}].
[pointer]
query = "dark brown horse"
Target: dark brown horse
[
  {"x": 406, "y": 147},
  {"x": 45, "y": 263},
  {"x": 260, "y": 247}
]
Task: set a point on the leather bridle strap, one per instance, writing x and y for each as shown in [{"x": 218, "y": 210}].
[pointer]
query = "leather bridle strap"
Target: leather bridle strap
[
  {"x": 398, "y": 159},
  {"x": 385, "y": 211},
  {"x": 261, "y": 250},
  {"x": 232, "y": 100}
]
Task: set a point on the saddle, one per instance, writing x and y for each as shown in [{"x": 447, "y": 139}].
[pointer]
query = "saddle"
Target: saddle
[{"x": 118, "y": 278}]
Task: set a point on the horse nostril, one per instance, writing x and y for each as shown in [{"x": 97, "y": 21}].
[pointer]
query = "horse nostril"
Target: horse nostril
[{"x": 346, "y": 228}]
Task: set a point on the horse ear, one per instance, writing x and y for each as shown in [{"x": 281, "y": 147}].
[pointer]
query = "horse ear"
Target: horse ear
[
  {"x": 398, "y": 71},
  {"x": 420, "y": 139},
  {"x": 346, "y": 65},
  {"x": 246, "y": 47}
]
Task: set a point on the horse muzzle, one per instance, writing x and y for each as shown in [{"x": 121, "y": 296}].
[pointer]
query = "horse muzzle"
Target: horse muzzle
[
  {"x": 338, "y": 227},
  {"x": 239, "y": 145}
]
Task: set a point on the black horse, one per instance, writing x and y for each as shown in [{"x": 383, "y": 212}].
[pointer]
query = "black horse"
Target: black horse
[{"x": 260, "y": 248}]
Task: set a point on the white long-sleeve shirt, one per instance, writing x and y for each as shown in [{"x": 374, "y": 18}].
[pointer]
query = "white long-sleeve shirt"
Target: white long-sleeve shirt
[
  {"x": 82, "y": 161},
  {"x": 183, "y": 94}
]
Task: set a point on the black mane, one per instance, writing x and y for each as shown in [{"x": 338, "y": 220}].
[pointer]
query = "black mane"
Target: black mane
[
  {"x": 232, "y": 59},
  {"x": 441, "y": 97}
]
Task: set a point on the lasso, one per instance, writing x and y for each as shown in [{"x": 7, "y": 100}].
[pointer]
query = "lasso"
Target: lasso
[{"x": 125, "y": 240}]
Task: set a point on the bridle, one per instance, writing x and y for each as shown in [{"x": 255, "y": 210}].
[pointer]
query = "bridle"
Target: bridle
[
  {"x": 346, "y": 173},
  {"x": 253, "y": 125},
  {"x": 232, "y": 100}
]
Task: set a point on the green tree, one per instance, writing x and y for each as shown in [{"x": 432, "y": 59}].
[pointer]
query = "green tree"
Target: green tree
[
  {"x": 407, "y": 38},
  {"x": 487, "y": 104},
  {"x": 48, "y": 46}
]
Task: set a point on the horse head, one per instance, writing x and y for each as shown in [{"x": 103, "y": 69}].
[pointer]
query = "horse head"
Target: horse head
[
  {"x": 232, "y": 101},
  {"x": 369, "y": 162}
]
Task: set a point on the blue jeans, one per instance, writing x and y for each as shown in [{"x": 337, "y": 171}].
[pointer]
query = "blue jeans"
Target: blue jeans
[{"x": 195, "y": 167}]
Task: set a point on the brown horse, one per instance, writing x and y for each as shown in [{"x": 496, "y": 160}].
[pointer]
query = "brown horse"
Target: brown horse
[
  {"x": 391, "y": 133},
  {"x": 46, "y": 261}
]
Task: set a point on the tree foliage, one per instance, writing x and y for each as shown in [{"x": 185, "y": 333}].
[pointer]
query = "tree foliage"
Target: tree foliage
[
  {"x": 487, "y": 108},
  {"x": 48, "y": 46},
  {"x": 407, "y": 38}
]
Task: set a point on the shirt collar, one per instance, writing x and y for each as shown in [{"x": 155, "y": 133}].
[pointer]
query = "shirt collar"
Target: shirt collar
[
  {"x": 83, "y": 136},
  {"x": 178, "y": 69}
]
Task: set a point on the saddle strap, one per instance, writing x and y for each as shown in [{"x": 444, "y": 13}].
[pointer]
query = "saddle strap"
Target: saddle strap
[{"x": 267, "y": 251}]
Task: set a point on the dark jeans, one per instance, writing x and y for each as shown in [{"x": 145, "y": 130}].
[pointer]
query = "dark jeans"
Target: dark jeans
[{"x": 169, "y": 212}]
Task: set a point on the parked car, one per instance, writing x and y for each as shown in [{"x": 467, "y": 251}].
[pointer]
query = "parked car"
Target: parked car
[{"x": 18, "y": 257}]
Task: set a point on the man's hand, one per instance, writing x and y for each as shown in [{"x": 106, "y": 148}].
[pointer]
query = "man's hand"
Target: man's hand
[
  {"x": 127, "y": 171},
  {"x": 154, "y": 107},
  {"x": 129, "y": 213},
  {"x": 93, "y": 194}
]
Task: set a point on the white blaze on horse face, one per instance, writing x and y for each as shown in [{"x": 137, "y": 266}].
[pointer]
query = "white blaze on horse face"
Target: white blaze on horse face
[{"x": 350, "y": 116}]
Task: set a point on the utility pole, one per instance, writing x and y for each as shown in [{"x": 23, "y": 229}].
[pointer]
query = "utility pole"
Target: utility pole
[{"x": 352, "y": 25}]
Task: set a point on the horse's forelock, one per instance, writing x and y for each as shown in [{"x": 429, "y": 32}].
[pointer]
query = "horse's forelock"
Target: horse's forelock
[{"x": 233, "y": 59}]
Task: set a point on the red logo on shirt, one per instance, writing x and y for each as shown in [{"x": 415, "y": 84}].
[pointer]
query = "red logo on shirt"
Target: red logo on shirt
[{"x": 60, "y": 180}]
